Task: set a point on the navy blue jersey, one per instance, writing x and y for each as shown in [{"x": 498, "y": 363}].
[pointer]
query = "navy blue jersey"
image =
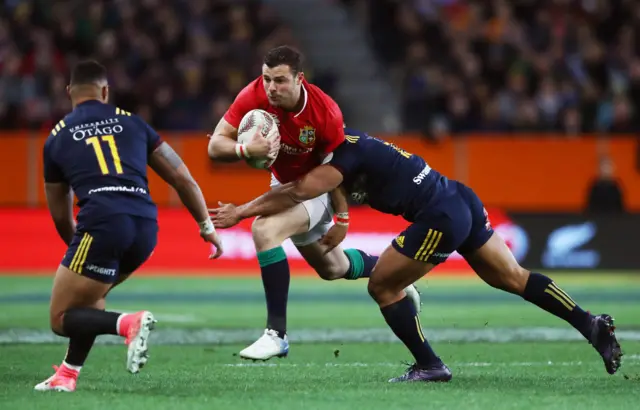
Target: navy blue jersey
[
  {"x": 386, "y": 177},
  {"x": 102, "y": 152}
]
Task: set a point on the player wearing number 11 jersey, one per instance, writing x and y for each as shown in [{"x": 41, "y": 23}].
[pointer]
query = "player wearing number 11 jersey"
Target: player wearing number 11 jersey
[{"x": 101, "y": 153}]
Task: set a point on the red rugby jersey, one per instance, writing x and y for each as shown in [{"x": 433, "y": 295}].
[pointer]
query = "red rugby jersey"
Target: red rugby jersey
[{"x": 306, "y": 137}]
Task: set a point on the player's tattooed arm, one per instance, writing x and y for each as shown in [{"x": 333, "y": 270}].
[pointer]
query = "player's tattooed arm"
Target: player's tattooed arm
[
  {"x": 60, "y": 203},
  {"x": 170, "y": 167},
  {"x": 222, "y": 143},
  {"x": 320, "y": 180},
  {"x": 167, "y": 153}
]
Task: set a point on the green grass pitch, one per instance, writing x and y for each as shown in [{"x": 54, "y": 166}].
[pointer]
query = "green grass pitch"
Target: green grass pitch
[{"x": 504, "y": 353}]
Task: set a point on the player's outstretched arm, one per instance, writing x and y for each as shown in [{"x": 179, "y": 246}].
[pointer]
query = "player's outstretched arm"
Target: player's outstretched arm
[
  {"x": 170, "y": 167},
  {"x": 60, "y": 203},
  {"x": 318, "y": 181}
]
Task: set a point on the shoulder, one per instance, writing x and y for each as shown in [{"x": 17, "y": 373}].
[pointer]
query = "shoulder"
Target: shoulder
[
  {"x": 59, "y": 128},
  {"x": 251, "y": 97},
  {"x": 120, "y": 112},
  {"x": 61, "y": 125},
  {"x": 48, "y": 144},
  {"x": 127, "y": 117},
  {"x": 253, "y": 93},
  {"x": 322, "y": 103},
  {"x": 355, "y": 135}
]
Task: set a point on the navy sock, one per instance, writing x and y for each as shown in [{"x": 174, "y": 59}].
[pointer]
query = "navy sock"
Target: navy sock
[
  {"x": 83, "y": 322},
  {"x": 405, "y": 323},
  {"x": 544, "y": 293},
  {"x": 78, "y": 350},
  {"x": 360, "y": 264},
  {"x": 274, "y": 268},
  {"x": 82, "y": 325}
]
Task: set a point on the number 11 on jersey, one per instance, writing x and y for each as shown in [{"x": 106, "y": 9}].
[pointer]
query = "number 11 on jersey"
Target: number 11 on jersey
[{"x": 95, "y": 142}]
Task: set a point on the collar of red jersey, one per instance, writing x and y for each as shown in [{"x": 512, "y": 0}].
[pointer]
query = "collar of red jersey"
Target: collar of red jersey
[{"x": 306, "y": 98}]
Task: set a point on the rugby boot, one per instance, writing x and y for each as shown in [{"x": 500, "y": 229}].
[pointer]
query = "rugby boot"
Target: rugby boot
[
  {"x": 603, "y": 338},
  {"x": 414, "y": 294},
  {"x": 139, "y": 326},
  {"x": 64, "y": 380},
  {"x": 415, "y": 373},
  {"x": 267, "y": 346}
]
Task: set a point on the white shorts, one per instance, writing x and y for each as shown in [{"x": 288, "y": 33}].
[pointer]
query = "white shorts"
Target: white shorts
[{"x": 320, "y": 213}]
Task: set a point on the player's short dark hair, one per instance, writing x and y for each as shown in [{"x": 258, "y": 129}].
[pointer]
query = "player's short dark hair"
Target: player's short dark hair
[
  {"x": 284, "y": 55},
  {"x": 88, "y": 72}
]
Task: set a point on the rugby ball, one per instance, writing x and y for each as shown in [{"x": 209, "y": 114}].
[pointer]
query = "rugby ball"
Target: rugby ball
[{"x": 248, "y": 127}]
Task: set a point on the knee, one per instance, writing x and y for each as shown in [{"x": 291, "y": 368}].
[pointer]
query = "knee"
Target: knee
[
  {"x": 56, "y": 323},
  {"x": 331, "y": 272},
  {"x": 266, "y": 233},
  {"x": 513, "y": 280},
  {"x": 374, "y": 289},
  {"x": 381, "y": 293}
]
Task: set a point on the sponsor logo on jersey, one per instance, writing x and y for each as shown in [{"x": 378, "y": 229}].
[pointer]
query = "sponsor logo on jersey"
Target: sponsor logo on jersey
[
  {"x": 128, "y": 189},
  {"x": 359, "y": 190},
  {"x": 359, "y": 197},
  {"x": 106, "y": 127},
  {"x": 291, "y": 150},
  {"x": 101, "y": 271},
  {"x": 422, "y": 175},
  {"x": 441, "y": 255},
  {"x": 487, "y": 221},
  {"x": 307, "y": 135}
]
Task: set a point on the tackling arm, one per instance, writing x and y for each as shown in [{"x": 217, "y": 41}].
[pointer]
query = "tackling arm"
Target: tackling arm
[
  {"x": 318, "y": 181},
  {"x": 60, "y": 203},
  {"x": 339, "y": 199},
  {"x": 340, "y": 204},
  {"x": 334, "y": 137}
]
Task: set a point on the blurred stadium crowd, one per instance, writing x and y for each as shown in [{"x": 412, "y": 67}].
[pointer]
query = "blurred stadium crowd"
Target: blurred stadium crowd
[
  {"x": 177, "y": 63},
  {"x": 461, "y": 66},
  {"x": 512, "y": 65}
]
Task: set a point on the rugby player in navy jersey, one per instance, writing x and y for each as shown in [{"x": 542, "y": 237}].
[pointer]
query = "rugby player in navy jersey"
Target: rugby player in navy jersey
[
  {"x": 101, "y": 153},
  {"x": 445, "y": 216}
]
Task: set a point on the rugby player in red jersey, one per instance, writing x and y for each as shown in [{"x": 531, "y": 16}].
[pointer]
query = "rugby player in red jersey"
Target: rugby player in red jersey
[{"x": 311, "y": 126}]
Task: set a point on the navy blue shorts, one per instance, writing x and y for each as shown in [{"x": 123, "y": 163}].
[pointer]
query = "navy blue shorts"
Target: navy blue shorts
[
  {"x": 458, "y": 222},
  {"x": 105, "y": 249}
]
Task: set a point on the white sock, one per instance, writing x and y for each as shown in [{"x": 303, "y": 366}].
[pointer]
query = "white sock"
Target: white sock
[
  {"x": 118, "y": 322},
  {"x": 72, "y": 367}
]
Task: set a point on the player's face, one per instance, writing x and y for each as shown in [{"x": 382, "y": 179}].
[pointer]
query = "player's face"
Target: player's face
[{"x": 281, "y": 85}]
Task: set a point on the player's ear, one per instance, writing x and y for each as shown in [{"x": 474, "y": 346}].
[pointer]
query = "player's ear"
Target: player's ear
[
  {"x": 299, "y": 77},
  {"x": 105, "y": 93},
  {"x": 69, "y": 91}
]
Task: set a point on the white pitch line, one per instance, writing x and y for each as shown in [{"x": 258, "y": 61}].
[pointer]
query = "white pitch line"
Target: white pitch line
[
  {"x": 390, "y": 364},
  {"x": 180, "y": 336},
  {"x": 173, "y": 318}
]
